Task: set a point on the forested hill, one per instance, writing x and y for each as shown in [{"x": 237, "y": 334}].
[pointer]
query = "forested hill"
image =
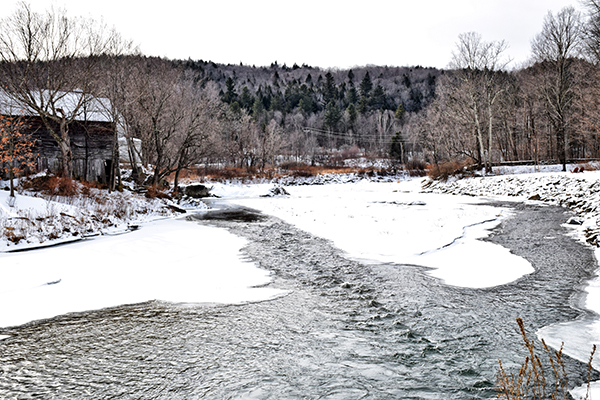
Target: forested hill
[{"x": 310, "y": 89}]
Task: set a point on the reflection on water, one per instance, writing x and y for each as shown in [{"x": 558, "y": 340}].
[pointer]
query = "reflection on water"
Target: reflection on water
[{"x": 346, "y": 330}]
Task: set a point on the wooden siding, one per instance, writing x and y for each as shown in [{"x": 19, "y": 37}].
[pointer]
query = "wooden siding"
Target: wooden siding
[{"x": 91, "y": 143}]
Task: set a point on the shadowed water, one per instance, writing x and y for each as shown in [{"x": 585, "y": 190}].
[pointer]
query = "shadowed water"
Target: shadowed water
[{"x": 345, "y": 331}]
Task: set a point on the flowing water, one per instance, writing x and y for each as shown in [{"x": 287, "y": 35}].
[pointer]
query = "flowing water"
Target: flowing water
[{"x": 344, "y": 331}]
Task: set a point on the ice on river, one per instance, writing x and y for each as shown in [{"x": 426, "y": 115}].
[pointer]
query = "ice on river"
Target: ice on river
[
  {"x": 168, "y": 260},
  {"x": 392, "y": 222}
]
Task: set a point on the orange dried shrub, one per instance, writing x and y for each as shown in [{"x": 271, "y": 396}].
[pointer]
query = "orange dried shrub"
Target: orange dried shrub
[
  {"x": 16, "y": 148},
  {"x": 58, "y": 186},
  {"x": 153, "y": 192},
  {"x": 443, "y": 170}
]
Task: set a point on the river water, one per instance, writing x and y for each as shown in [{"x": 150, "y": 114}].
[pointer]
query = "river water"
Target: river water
[{"x": 344, "y": 330}]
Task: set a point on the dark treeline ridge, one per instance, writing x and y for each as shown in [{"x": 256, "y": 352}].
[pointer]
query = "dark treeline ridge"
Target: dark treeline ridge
[
  {"x": 310, "y": 89},
  {"x": 361, "y": 107}
]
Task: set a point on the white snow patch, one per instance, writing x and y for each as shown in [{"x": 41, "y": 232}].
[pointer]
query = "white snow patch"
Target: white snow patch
[
  {"x": 169, "y": 260},
  {"x": 393, "y": 222}
]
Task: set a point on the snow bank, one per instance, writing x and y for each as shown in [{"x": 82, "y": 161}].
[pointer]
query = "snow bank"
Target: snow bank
[
  {"x": 27, "y": 221},
  {"x": 169, "y": 260},
  {"x": 394, "y": 222}
]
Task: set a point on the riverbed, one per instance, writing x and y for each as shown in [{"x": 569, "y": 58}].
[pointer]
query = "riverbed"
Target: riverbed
[{"x": 339, "y": 328}]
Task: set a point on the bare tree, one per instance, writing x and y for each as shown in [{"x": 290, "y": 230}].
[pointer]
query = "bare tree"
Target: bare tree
[
  {"x": 591, "y": 34},
  {"x": 477, "y": 64},
  {"x": 556, "y": 48},
  {"x": 174, "y": 119},
  {"x": 48, "y": 66}
]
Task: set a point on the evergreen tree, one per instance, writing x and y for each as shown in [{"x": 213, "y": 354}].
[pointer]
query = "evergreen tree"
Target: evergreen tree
[
  {"x": 352, "y": 114},
  {"x": 378, "y": 100},
  {"x": 366, "y": 86},
  {"x": 351, "y": 77},
  {"x": 246, "y": 99},
  {"x": 397, "y": 147},
  {"x": 406, "y": 81},
  {"x": 329, "y": 89},
  {"x": 235, "y": 108},
  {"x": 351, "y": 95},
  {"x": 363, "y": 105},
  {"x": 230, "y": 95},
  {"x": 332, "y": 116},
  {"x": 257, "y": 109},
  {"x": 277, "y": 103},
  {"x": 399, "y": 115}
]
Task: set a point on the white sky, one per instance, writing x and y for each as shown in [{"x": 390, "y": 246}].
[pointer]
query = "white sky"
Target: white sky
[{"x": 323, "y": 33}]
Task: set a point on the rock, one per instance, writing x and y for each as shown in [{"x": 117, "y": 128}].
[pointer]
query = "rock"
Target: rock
[
  {"x": 535, "y": 197},
  {"x": 176, "y": 209},
  {"x": 276, "y": 191},
  {"x": 196, "y": 191},
  {"x": 574, "y": 221}
]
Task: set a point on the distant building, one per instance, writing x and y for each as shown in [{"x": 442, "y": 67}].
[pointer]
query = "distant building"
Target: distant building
[{"x": 91, "y": 134}]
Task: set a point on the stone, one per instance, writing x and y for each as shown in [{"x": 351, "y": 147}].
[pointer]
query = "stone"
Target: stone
[
  {"x": 276, "y": 191},
  {"x": 196, "y": 191}
]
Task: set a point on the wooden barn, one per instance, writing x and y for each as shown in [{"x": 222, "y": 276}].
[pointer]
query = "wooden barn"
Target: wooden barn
[{"x": 91, "y": 133}]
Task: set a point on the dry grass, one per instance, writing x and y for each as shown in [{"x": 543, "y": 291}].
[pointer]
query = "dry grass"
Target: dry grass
[
  {"x": 538, "y": 379},
  {"x": 290, "y": 169},
  {"x": 154, "y": 192},
  {"x": 443, "y": 170}
]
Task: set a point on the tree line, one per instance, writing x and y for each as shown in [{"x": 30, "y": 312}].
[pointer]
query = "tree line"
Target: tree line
[
  {"x": 546, "y": 111},
  {"x": 188, "y": 112}
]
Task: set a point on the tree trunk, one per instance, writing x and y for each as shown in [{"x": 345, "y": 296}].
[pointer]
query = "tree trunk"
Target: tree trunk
[
  {"x": 65, "y": 148},
  {"x": 11, "y": 175},
  {"x": 488, "y": 159},
  {"x": 67, "y": 159},
  {"x": 112, "y": 179},
  {"x": 561, "y": 146},
  {"x": 176, "y": 180}
]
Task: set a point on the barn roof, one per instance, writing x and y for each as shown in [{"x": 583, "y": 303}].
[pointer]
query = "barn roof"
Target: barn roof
[{"x": 94, "y": 109}]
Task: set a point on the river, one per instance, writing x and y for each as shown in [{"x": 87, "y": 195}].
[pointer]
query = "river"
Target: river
[{"x": 345, "y": 330}]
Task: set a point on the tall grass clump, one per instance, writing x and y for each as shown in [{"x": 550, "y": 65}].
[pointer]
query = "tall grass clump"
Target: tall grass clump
[{"x": 542, "y": 376}]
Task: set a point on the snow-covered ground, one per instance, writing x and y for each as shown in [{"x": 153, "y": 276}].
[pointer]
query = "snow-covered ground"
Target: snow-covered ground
[
  {"x": 108, "y": 264},
  {"x": 170, "y": 260}
]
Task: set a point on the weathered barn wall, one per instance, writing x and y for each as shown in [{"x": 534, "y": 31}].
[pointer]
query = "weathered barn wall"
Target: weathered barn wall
[{"x": 91, "y": 143}]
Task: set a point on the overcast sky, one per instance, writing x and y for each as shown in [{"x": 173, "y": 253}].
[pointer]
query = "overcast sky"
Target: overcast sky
[{"x": 322, "y": 33}]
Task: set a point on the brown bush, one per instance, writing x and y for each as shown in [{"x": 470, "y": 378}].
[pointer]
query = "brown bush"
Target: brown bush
[
  {"x": 11, "y": 235},
  {"x": 416, "y": 167},
  {"x": 442, "y": 171},
  {"x": 153, "y": 192},
  {"x": 52, "y": 185}
]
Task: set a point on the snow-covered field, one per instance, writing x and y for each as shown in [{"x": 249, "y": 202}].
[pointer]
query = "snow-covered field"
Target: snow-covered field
[{"x": 183, "y": 262}]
